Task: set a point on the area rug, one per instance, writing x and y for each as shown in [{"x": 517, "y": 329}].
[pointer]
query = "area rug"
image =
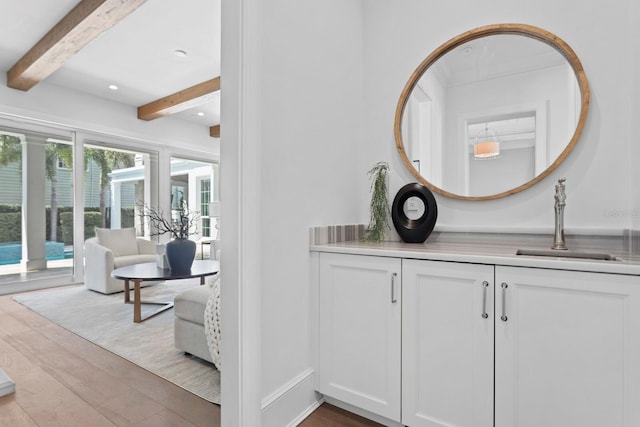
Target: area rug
[{"x": 106, "y": 321}]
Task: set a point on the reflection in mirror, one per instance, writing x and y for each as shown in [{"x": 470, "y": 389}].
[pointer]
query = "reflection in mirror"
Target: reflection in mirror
[
  {"x": 516, "y": 83},
  {"x": 413, "y": 208}
]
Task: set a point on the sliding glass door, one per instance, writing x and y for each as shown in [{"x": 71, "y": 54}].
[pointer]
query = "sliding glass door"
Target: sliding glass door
[
  {"x": 36, "y": 204},
  {"x": 44, "y": 221},
  {"x": 117, "y": 187}
]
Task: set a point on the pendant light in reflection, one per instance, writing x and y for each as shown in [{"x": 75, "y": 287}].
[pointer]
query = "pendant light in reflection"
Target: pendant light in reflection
[{"x": 486, "y": 145}]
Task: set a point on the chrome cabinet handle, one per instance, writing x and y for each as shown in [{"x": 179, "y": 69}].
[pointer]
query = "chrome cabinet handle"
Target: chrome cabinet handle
[
  {"x": 485, "y": 285},
  {"x": 504, "y": 302},
  {"x": 393, "y": 287}
]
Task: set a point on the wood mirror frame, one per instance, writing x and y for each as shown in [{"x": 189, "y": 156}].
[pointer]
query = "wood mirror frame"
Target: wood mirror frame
[{"x": 490, "y": 30}]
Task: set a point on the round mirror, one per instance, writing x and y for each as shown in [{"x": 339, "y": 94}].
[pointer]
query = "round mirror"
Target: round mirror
[{"x": 491, "y": 112}]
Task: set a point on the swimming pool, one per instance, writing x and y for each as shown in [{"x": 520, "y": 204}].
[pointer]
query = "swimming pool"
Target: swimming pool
[{"x": 11, "y": 252}]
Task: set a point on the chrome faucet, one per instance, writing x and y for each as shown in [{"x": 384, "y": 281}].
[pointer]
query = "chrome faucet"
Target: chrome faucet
[{"x": 561, "y": 197}]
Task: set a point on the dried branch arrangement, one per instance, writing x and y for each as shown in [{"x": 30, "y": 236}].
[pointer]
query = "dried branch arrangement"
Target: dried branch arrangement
[{"x": 183, "y": 223}]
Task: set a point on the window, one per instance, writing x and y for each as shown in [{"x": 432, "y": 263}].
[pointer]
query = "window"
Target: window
[
  {"x": 195, "y": 182},
  {"x": 205, "y": 198}
]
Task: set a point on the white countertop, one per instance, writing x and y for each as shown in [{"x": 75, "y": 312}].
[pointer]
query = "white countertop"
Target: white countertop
[{"x": 499, "y": 249}]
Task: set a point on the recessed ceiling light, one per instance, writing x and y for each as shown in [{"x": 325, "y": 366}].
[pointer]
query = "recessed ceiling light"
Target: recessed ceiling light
[
  {"x": 113, "y": 87},
  {"x": 179, "y": 52},
  {"x": 200, "y": 113}
]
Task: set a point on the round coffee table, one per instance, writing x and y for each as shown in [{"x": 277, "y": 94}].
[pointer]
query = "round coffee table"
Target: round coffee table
[{"x": 138, "y": 273}]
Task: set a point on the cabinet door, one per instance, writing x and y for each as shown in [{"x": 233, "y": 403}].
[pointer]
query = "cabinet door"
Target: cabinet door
[
  {"x": 567, "y": 350},
  {"x": 447, "y": 339},
  {"x": 359, "y": 342}
]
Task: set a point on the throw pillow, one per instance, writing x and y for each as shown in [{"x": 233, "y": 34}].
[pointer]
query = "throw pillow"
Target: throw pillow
[
  {"x": 212, "y": 322},
  {"x": 121, "y": 241}
]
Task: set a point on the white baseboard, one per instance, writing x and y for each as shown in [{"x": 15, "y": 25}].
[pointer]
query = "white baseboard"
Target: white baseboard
[
  {"x": 291, "y": 403},
  {"x": 7, "y": 386},
  {"x": 306, "y": 413}
]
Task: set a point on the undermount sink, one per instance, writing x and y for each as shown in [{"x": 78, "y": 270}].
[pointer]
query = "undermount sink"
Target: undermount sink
[{"x": 568, "y": 254}]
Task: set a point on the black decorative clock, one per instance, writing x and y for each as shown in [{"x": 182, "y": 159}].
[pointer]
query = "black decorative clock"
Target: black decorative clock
[{"x": 414, "y": 212}]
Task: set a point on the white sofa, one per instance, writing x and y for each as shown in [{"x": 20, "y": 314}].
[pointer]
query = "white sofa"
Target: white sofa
[
  {"x": 189, "y": 333},
  {"x": 197, "y": 325},
  {"x": 111, "y": 249}
]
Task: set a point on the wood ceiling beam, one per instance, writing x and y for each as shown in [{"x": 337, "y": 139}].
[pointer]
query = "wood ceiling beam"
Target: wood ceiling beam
[
  {"x": 183, "y": 100},
  {"x": 214, "y": 131},
  {"x": 81, "y": 25}
]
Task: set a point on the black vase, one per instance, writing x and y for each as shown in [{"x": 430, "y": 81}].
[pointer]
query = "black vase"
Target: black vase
[
  {"x": 414, "y": 230},
  {"x": 180, "y": 255}
]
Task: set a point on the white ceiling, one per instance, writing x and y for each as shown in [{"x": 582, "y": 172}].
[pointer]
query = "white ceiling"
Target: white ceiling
[
  {"x": 136, "y": 54},
  {"x": 498, "y": 55}
]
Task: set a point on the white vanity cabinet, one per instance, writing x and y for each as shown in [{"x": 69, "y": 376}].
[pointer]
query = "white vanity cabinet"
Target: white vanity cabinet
[
  {"x": 479, "y": 345},
  {"x": 447, "y": 344},
  {"x": 359, "y": 331},
  {"x": 567, "y": 349}
]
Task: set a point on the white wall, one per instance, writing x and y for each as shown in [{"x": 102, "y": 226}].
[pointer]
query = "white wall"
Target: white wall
[
  {"x": 292, "y": 123},
  {"x": 53, "y": 104},
  {"x": 311, "y": 124},
  {"x": 634, "y": 147},
  {"x": 400, "y": 34}
]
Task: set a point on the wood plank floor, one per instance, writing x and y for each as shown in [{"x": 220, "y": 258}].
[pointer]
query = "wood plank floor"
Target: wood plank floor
[
  {"x": 331, "y": 416},
  {"x": 64, "y": 380}
]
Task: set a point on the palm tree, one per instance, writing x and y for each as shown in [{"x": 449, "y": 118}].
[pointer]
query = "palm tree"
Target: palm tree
[
  {"x": 107, "y": 161},
  {"x": 10, "y": 149}
]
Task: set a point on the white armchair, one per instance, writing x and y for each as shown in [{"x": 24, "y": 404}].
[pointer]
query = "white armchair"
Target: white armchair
[{"x": 111, "y": 249}]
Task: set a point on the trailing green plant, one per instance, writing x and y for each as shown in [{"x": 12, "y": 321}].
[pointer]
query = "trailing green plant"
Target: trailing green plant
[{"x": 379, "y": 207}]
